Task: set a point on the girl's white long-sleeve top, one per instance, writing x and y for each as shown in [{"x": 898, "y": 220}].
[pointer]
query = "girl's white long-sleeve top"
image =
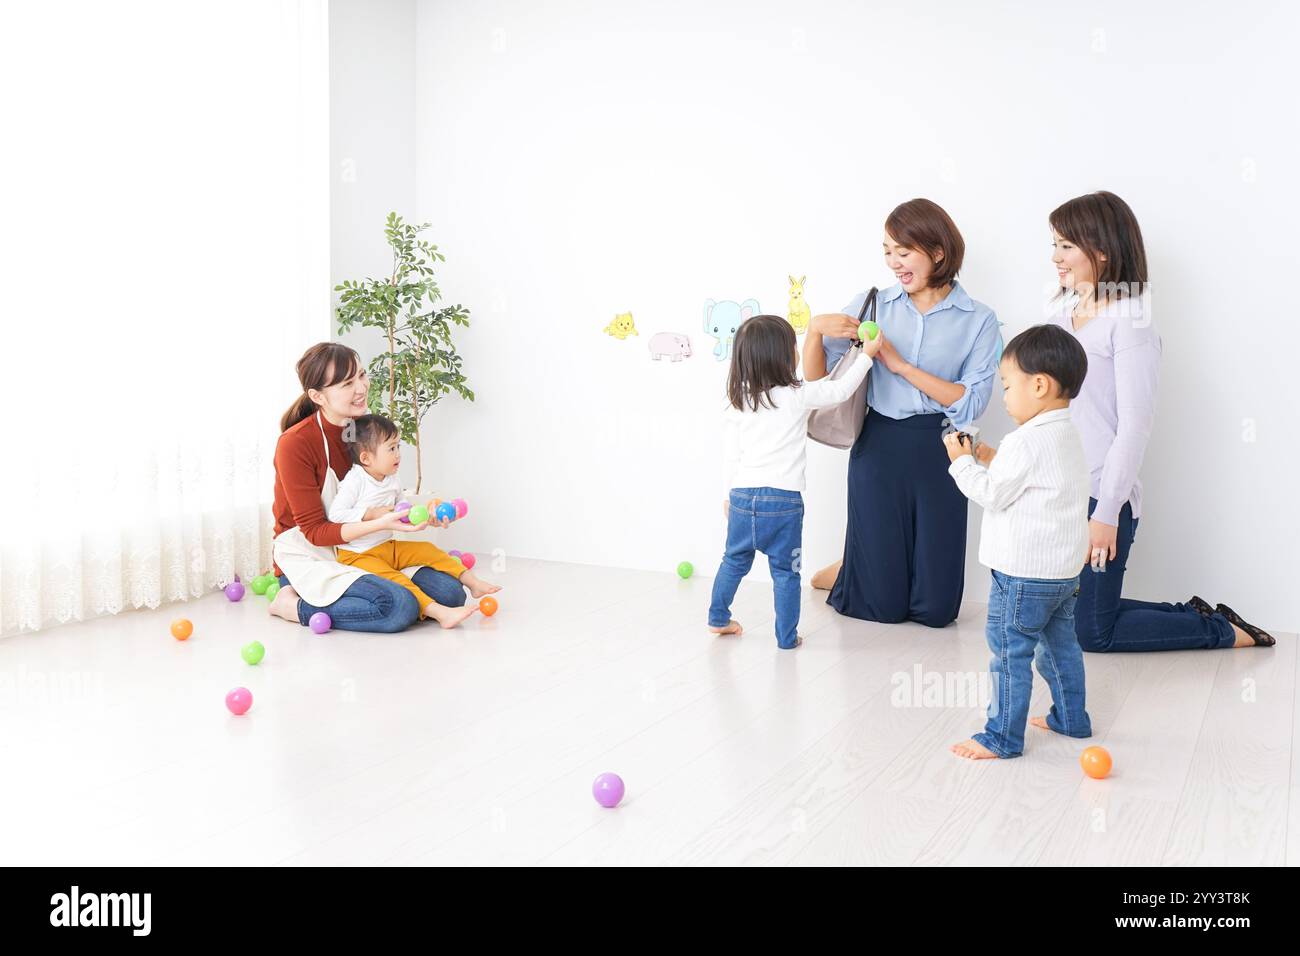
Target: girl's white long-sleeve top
[{"x": 767, "y": 447}]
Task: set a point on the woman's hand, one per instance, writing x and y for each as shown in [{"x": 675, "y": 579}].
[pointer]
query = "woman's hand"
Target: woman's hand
[
  {"x": 1102, "y": 537},
  {"x": 835, "y": 325},
  {"x": 889, "y": 355},
  {"x": 392, "y": 521}
]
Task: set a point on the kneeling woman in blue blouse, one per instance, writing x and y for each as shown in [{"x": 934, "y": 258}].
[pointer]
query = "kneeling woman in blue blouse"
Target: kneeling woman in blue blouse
[{"x": 905, "y": 549}]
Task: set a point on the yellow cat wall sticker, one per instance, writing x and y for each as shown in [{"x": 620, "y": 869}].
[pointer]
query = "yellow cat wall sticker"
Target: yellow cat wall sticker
[
  {"x": 622, "y": 326},
  {"x": 800, "y": 314}
]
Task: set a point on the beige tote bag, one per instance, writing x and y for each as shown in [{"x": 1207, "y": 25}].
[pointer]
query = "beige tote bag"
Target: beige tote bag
[{"x": 840, "y": 425}]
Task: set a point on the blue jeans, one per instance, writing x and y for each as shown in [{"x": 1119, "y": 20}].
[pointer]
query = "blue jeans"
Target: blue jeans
[
  {"x": 1032, "y": 620},
  {"x": 769, "y": 520},
  {"x": 1106, "y": 622},
  {"x": 375, "y": 604}
]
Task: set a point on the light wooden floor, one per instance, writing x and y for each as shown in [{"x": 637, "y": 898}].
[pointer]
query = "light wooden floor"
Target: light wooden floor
[{"x": 479, "y": 746}]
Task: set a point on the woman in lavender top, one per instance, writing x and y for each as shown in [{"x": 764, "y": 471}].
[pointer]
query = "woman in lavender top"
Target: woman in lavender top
[{"x": 1101, "y": 262}]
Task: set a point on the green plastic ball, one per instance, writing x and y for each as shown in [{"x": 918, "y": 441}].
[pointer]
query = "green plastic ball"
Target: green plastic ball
[
  {"x": 252, "y": 652},
  {"x": 868, "y": 330},
  {"x": 259, "y": 584},
  {"x": 272, "y": 590},
  {"x": 685, "y": 570},
  {"x": 418, "y": 515}
]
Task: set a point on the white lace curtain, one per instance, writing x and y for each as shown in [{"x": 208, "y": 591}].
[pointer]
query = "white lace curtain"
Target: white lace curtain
[{"x": 166, "y": 252}]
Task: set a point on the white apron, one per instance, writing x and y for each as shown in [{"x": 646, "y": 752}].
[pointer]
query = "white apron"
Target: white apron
[{"x": 313, "y": 570}]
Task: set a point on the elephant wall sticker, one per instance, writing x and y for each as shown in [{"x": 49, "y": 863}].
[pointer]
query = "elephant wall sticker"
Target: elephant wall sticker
[{"x": 722, "y": 319}]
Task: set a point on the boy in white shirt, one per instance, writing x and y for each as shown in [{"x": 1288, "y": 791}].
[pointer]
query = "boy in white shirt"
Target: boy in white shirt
[
  {"x": 371, "y": 489},
  {"x": 1034, "y": 538},
  {"x": 766, "y": 438}
]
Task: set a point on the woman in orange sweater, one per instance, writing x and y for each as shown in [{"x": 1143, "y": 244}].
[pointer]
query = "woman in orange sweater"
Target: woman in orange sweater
[{"x": 310, "y": 460}]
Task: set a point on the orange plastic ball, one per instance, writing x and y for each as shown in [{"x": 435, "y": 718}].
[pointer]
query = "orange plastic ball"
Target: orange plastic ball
[
  {"x": 1095, "y": 762},
  {"x": 182, "y": 629},
  {"x": 488, "y": 606}
]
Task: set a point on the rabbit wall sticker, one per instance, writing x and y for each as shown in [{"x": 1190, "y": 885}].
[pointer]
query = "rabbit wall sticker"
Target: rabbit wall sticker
[{"x": 799, "y": 312}]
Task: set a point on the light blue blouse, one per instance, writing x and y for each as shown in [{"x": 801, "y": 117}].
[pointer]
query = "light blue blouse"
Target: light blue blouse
[{"x": 957, "y": 340}]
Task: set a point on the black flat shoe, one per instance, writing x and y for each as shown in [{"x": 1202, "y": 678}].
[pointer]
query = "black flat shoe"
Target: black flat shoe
[
  {"x": 1261, "y": 638},
  {"x": 1201, "y": 605}
]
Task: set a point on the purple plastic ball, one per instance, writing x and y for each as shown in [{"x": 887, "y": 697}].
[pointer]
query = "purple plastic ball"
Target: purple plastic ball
[
  {"x": 234, "y": 591},
  {"x": 454, "y": 554},
  {"x": 320, "y": 622},
  {"x": 403, "y": 506},
  {"x": 608, "y": 789}
]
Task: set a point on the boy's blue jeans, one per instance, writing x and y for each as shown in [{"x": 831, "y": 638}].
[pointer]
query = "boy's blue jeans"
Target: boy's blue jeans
[
  {"x": 1031, "y": 619},
  {"x": 769, "y": 520}
]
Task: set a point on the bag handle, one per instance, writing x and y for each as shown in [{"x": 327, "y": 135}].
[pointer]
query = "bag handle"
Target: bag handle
[{"x": 868, "y": 303}]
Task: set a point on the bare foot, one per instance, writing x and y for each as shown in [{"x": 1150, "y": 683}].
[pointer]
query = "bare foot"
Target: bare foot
[
  {"x": 732, "y": 628},
  {"x": 824, "y": 579},
  {"x": 477, "y": 586},
  {"x": 1243, "y": 639},
  {"x": 448, "y": 617},
  {"x": 1040, "y": 722},
  {"x": 285, "y": 604},
  {"x": 972, "y": 751}
]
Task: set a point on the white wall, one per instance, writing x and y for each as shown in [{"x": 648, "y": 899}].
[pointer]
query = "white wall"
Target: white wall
[
  {"x": 581, "y": 160},
  {"x": 372, "y": 137}
]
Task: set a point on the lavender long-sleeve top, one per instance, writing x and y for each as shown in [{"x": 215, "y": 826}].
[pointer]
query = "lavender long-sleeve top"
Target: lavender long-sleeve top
[{"x": 1116, "y": 407}]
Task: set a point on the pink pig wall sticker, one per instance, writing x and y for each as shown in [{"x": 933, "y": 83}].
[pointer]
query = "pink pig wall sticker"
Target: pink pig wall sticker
[{"x": 674, "y": 345}]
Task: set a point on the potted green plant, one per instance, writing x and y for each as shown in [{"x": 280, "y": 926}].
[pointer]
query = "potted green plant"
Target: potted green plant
[{"x": 421, "y": 364}]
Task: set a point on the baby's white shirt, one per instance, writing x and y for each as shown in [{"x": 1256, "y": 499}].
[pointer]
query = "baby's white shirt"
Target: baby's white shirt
[{"x": 358, "y": 493}]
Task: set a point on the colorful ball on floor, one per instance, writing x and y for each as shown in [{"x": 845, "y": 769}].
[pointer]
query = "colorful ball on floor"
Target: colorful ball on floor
[
  {"x": 685, "y": 570},
  {"x": 608, "y": 789},
  {"x": 234, "y": 591},
  {"x": 182, "y": 629},
  {"x": 1095, "y": 762},
  {"x": 446, "y": 511},
  {"x": 488, "y": 606},
  {"x": 260, "y": 583},
  {"x": 272, "y": 590},
  {"x": 320, "y": 622},
  {"x": 454, "y": 554},
  {"x": 467, "y": 559},
  {"x": 462, "y": 509},
  {"x": 252, "y": 652},
  {"x": 418, "y": 514},
  {"x": 239, "y": 700}
]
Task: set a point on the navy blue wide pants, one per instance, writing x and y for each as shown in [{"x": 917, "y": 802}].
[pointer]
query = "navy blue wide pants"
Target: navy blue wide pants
[{"x": 905, "y": 549}]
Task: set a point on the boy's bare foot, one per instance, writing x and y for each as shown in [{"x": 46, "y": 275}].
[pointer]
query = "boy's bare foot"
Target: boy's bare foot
[
  {"x": 478, "y": 588},
  {"x": 824, "y": 579},
  {"x": 732, "y": 628},
  {"x": 972, "y": 751},
  {"x": 448, "y": 617},
  {"x": 1040, "y": 722},
  {"x": 285, "y": 604}
]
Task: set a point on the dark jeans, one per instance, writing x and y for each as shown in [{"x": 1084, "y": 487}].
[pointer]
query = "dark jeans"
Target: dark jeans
[
  {"x": 769, "y": 520},
  {"x": 375, "y": 604},
  {"x": 1104, "y": 621}
]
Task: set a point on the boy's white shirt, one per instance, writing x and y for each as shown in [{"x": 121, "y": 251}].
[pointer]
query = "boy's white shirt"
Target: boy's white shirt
[
  {"x": 1035, "y": 499},
  {"x": 358, "y": 493},
  {"x": 767, "y": 447}
]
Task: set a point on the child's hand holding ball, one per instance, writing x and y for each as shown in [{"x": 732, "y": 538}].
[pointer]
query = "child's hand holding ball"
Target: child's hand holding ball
[{"x": 953, "y": 445}]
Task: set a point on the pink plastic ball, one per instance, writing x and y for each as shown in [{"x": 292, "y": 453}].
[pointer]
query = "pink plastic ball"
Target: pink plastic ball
[
  {"x": 239, "y": 700},
  {"x": 462, "y": 509},
  {"x": 319, "y": 622},
  {"x": 608, "y": 789},
  {"x": 234, "y": 591},
  {"x": 468, "y": 560}
]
